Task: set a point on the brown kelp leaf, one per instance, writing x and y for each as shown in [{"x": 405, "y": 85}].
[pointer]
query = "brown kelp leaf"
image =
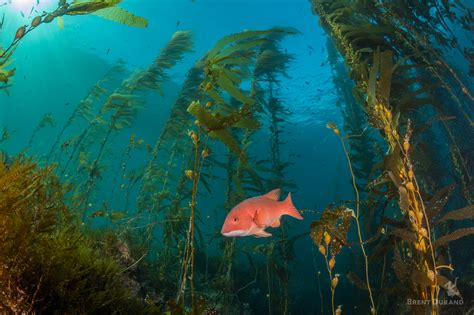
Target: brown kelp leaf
[
  {"x": 216, "y": 97},
  {"x": 225, "y": 83},
  {"x": 420, "y": 277},
  {"x": 180, "y": 43},
  {"x": 228, "y": 139},
  {"x": 403, "y": 202},
  {"x": 205, "y": 117},
  {"x": 385, "y": 80},
  {"x": 60, "y": 22},
  {"x": 79, "y": 8},
  {"x": 356, "y": 281},
  {"x": 316, "y": 232},
  {"x": 336, "y": 222},
  {"x": 458, "y": 214},
  {"x": 398, "y": 223},
  {"x": 399, "y": 266},
  {"x": 438, "y": 201},
  {"x": 6, "y": 74},
  {"x": 404, "y": 234},
  {"x": 392, "y": 164},
  {"x": 222, "y": 43},
  {"x": 122, "y": 16},
  {"x": 445, "y": 239},
  {"x": 247, "y": 123}
]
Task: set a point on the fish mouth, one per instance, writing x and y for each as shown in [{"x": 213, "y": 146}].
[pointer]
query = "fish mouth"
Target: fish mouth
[{"x": 235, "y": 233}]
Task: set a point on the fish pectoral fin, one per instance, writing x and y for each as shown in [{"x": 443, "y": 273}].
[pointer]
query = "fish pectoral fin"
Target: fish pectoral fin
[
  {"x": 275, "y": 223},
  {"x": 262, "y": 233},
  {"x": 255, "y": 220}
]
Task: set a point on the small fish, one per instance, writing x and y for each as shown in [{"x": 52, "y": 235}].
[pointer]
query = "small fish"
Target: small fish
[
  {"x": 66, "y": 144},
  {"x": 100, "y": 213},
  {"x": 177, "y": 23},
  {"x": 252, "y": 216},
  {"x": 117, "y": 215},
  {"x": 108, "y": 50}
]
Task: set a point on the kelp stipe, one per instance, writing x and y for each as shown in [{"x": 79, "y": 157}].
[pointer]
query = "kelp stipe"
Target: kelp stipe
[
  {"x": 337, "y": 132},
  {"x": 45, "y": 121}
]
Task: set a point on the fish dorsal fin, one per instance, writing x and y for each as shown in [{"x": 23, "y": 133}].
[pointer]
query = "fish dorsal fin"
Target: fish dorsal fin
[{"x": 273, "y": 195}]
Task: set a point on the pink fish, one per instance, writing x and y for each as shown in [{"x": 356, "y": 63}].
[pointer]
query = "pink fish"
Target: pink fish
[{"x": 252, "y": 216}]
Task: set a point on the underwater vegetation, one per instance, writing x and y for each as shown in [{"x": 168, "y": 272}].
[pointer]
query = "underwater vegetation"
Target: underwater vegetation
[
  {"x": 394, "y": 76},
  {"x": 105, "y": 220},
  {"x": 48, "y": 265}
]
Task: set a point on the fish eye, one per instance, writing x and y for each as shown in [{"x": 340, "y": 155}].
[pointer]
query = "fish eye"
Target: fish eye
[{"x": 235, "y": 219}]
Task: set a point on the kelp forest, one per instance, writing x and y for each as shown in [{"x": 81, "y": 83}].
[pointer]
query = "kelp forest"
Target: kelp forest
[{"x": 100, "y": 219}]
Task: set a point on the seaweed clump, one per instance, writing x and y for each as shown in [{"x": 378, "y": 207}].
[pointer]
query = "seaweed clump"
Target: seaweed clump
[{"x": 46, "y": 264}]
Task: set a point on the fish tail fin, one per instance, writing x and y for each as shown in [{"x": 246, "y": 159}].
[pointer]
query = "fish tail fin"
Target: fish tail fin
[{"x": 289, "y": 208}]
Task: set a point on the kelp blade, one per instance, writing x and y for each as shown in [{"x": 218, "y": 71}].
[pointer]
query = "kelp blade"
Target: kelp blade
[{"x": 122, "y": 16}]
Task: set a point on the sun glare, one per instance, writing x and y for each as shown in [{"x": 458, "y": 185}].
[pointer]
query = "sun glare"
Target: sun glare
[
  {"x": 23, "y": 5},
  {"x": 26, "y": 6}
]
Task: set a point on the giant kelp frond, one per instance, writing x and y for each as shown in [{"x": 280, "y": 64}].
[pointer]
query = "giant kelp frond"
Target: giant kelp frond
[
  {"x": 45, "y": 121},
  {"x": 272, "y": 61},
  {"x": 125, "y": 108},
  {"x": 5, "y": 74},
  {"x": 180, "y": 43},
  {"x": 152, "y": 77},
  {"x": 241, "y": 42},
  {"x": 106, "y": 9},
  {"x": 79, "y": 7},
  {"x": 226, "y": 67},
  {"x": 122, "y": 16}
]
